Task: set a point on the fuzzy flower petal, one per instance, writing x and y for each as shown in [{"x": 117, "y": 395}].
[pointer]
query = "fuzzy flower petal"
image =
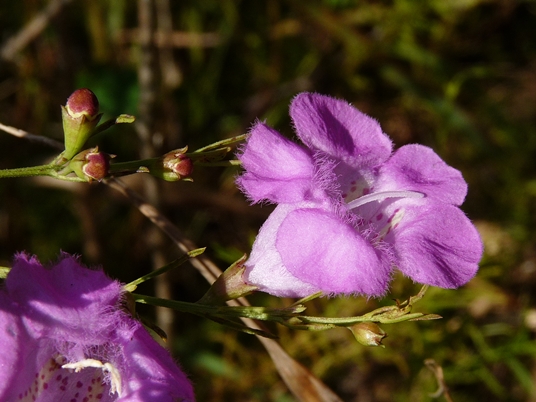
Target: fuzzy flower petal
[
  {"x": 437, "y": 244},
  {"x": 265, "y": 267},
  {"x": 339, "y": 130},
  {"x": 67, "y": 338},
  {"x": 315, "y": 247},
  {"x": 418, "y": 168},
  {"x": 277, "y": 169}
]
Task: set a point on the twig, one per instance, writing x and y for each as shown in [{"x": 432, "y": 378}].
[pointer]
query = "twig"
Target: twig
[
  {"x": 169, "y": 70},
  {"x": 31, "y": 30},
  {"x": 208, "y": 269},
  {"x": 144, "y": 126},
  {"x": 442, "y": 386},
  {"x": 31, "y": 137}
]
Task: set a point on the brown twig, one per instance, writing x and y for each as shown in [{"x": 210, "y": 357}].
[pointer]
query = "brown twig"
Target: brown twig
[
  {"x": 32, "y": 137},
  {"x": 144, "y": 126},
  {"x": 31, "y": 30},
  {"x": 169, "y": 70},
  {"x": 438, "y": 373}
]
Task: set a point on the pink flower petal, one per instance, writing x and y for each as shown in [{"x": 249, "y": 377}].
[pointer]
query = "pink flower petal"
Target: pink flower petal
[
  {"x": 277, "y": 169},
  {"x": 264, "y": 267},
  {"x": 419, "y": 168},
  {"x": 436, "y": 244},
  {"x": 316, "y": 247},
  {"x": 337, "y": 128}
]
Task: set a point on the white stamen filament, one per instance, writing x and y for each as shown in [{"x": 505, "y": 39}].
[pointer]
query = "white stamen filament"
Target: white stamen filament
[
  {"x": 115, "y": 377},
  {"x": 381, "y": 195}
]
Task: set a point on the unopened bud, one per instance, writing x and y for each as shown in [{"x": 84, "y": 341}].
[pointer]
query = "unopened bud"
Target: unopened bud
[
  {"x": 368, "y": 333},
  {"x": 229, "y": 285},
  {"x": 80, "y": 116},
  {"x": 91, "y": 164},
  {"x": 174, "y": 165}
]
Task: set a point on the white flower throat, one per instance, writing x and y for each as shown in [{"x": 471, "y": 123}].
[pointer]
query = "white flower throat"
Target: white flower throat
[{"x": 392, "y": 221}]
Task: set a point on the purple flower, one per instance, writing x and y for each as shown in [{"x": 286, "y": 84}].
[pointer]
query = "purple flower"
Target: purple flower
[
  {"x": 349, "y": 209},
  {"x": 65, "y": 337}
]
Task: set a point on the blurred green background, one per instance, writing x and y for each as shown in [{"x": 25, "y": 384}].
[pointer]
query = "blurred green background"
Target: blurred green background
[{"x": 456, "y": 75}]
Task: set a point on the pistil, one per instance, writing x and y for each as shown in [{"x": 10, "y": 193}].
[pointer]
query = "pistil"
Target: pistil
[{"x": 381, "y": 196}]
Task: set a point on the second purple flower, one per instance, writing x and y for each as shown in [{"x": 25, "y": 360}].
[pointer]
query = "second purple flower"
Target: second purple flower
[
  {"x": 66, "y": 337},
  {"x": 350, "y": 209}
]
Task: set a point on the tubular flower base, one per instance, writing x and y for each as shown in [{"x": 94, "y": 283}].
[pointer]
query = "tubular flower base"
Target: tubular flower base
[
  {"x": 349, "y": 208},
  {"x": 65, "y": 337}
]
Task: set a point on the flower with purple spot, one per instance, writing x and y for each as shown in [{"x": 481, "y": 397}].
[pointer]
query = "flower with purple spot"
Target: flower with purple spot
[
  {"x": 349, "y": 209},
  {"x": 66, "y": 337}
]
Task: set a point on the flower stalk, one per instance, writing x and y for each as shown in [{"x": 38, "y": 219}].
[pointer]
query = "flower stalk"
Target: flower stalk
[
  {"x": 130, "y": 287},
  {"x": 291, "y": 316},
  {"x": 30, "y": 171}
]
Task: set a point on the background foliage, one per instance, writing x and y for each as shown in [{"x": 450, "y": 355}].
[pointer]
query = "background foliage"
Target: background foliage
[{"x": 457, "y": 75}]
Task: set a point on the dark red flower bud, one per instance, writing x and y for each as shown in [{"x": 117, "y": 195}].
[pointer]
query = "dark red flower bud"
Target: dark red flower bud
[
  {"x": 80, "y": 116},
  {"x": 91, "y": 164},
  {"x": 83, "y": 102},
  {"x": 179, "y": 164},
  {"x": 173, "y": 166}
]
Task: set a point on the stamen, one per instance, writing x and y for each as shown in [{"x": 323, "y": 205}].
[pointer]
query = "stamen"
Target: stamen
[
  {"x": 115, "y": 377},
  {"x": 381, "y": 195}
]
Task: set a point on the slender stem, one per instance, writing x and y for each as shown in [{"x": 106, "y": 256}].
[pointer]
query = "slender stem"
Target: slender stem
[
  {"x": 256, "y": 313},
  {"x": 221, "y": 143},
  {"x": 17, "y": 132},
  {"x": 346, "y": 321},
  {"x": 73, "y": 179},
  {"x": 179, "y": 261},
  {"x": 134, "y": 166},
  {"x": 42, "y": 170},
  {"x": 307, "y": 298},
  {"x": 213, "y": 155},
  {"x": 131, "y": 166},
  {"x": 232, "y": 162}
]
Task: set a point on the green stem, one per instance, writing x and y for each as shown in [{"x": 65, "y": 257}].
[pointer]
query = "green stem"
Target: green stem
[
  {"x": 138, "y": 165},
  {"x": 130, "y": 287},
  {"x": 131, "y": 166},
  {"x": 42, "y": 170},
  {"x": 384, "y": 315},
  {"x": 123, "y": 118},
  {"x": 346, "y": 321},
  {"x": 256, "y": 313},
  {"x": 221, "y": 143},
  {"x": 73, "y": 179},
  {"x": 30, "y": 171},
  {"x": 232, "y": 162}
]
